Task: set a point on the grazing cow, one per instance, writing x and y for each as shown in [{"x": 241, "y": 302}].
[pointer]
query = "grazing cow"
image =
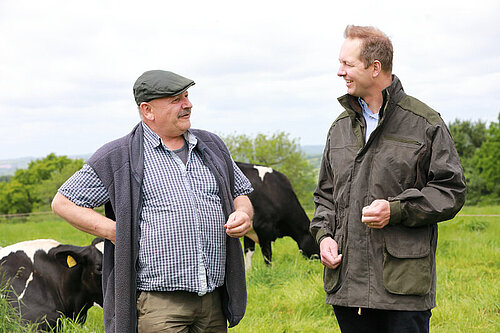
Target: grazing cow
[
  {"x": 46, "y": 279},
  {"x": 277, "y": 213}
]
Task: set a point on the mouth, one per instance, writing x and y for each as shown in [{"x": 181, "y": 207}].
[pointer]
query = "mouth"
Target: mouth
[{"x": 184, "y": 113}]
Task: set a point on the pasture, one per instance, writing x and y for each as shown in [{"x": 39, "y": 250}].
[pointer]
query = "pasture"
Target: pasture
[{"x": 289, "y": 297}]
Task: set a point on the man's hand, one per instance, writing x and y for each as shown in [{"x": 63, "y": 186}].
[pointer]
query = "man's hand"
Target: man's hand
[
  {"x": 329, "y": 252},
  {"x": 240, "y": 221},
  {"x": 376, "y": 215},
  {"x": 238, "y": 224}
]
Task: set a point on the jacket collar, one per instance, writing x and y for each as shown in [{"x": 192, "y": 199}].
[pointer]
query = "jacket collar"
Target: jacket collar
[
  {"x": 136, "y": 152},
  {"x": 393, "y": 93}
]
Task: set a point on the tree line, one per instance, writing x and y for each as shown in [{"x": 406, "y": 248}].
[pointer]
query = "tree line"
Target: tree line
[
  {"x": 478, "y": 145},
  {"x": 32, "y": 189},
  {"x": 479, "y": 149}
]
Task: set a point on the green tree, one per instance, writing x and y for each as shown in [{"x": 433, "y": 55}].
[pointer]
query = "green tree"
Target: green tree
[
  {"x": 44, "y": 191},
  {"x": 41, "y": 169},
  {"x": 14, "y": 198},
  {"x": 5, "y": 178},
  {"x": 281, "y": 153},
  {"x": 468, "y": 136},
  {"x": 29, "y": 188},
  {"x": 486, "y": 159}
]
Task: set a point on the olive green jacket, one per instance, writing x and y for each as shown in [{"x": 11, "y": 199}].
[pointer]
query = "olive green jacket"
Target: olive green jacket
[{"x": 411, "y": 161}]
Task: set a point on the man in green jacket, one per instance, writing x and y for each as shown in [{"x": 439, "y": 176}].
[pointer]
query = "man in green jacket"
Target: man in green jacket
[{"x": 390, "y": 172}]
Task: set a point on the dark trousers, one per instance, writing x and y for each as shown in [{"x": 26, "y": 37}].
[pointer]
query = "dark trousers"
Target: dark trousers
[{"x": 383, "y": 321}]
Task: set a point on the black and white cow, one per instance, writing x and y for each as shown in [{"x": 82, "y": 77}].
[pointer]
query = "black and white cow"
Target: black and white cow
[
  {"x": 46, "y": 279},
  {"x": 277, "y": 213}
]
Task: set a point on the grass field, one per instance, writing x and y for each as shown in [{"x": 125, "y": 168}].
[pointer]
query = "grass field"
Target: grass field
[{"x": 289, "y": 297}]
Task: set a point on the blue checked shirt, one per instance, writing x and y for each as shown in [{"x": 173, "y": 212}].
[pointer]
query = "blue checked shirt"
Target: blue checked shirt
[{"x": 182, "y": 241}]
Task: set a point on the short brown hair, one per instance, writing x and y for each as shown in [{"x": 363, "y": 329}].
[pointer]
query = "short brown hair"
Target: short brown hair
[{"x": 375, "y": 45}]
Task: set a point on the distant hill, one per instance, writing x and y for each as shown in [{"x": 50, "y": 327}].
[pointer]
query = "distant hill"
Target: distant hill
[
  {"x": 313, "y": 154},
  {"x": 9, "y": 167},
  {"x": 313, "y": 149}
]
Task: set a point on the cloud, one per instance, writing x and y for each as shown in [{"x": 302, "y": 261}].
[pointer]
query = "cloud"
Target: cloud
[{"x": 68, "y": 68}]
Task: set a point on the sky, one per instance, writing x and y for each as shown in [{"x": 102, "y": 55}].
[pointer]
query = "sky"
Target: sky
[{"x": 67, "y": 67}]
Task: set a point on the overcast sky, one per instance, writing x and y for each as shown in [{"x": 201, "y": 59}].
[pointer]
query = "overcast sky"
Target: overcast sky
[{"x": 67, "y": 67}]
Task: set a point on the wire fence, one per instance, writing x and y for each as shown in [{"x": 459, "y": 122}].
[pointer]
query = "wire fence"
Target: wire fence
[
  {"x": 458, "y": 215},
  {"x": 20, "y": 215},
  {"x": 13, "y": 217}
]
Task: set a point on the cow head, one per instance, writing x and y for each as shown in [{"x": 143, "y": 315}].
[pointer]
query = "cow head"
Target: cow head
[
  {"x": 308, "y": 247},
  {"x": 82, "y": 269}
]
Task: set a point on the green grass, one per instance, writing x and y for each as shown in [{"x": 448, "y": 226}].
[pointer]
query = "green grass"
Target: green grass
[
  {"x": 289, "y": 297},
  {"x": 9, "y": 320},
  {"x": 468, "y": 263},
  {"x": 41, "y": 226}
]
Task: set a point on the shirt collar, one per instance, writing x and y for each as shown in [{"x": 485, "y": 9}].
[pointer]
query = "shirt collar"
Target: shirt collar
[
  {"x": 150, "y": 136},
  {"x": 155, "y": 140},
  {"x": 366, "y": 110}
]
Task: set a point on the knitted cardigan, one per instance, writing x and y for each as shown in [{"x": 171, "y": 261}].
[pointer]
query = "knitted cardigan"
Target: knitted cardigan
[{"x": 120, "y": 166}]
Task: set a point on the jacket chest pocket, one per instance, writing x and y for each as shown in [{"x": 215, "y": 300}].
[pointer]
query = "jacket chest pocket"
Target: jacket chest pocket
[
  {"x": 396, "y": 164},
  {"x": 407, "y": 268}
]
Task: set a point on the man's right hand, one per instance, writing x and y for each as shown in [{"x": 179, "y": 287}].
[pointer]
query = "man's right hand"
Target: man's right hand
[{"x": 329, "y": 252}]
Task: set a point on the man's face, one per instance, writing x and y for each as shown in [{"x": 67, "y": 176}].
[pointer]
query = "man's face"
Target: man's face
[
  {"x": 171, "y": 115},
  {"x": 358, "y": 78}
]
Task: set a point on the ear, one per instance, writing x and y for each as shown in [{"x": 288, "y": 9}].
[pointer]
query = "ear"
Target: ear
[
  {"x": 69, "y": 256},
  {"x": 377, "y": 68},
  {"x": 147, "y": 111},
  {"x": 97, "y": 240},
  {"x": 67, "y": 259},
  {"x": 98, "y": 243}
]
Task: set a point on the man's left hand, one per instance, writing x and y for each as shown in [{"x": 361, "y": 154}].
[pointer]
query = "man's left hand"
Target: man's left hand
[
  {"x": 238, "y": 224},
  {"x": 376, "y": 215}
]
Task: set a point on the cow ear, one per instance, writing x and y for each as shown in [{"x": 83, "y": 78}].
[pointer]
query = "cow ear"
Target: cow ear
[
  {"x": 97, "y": 240},
  {"x": 67, "y": 259},
  {"x": 69, "y": 256}
]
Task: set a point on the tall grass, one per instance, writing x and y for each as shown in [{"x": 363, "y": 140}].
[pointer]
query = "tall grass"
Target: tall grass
[
  {"x": 10, "y": 321},
  {"x": 289, "y": 297}
]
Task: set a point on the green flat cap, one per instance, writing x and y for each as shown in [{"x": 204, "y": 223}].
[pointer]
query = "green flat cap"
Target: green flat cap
[{"x": 157, "y": 84}]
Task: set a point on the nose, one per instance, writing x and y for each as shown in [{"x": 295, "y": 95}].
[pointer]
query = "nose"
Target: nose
[
  {"x": 341, "y": 71},
  {"x": 186, "y": 104}
]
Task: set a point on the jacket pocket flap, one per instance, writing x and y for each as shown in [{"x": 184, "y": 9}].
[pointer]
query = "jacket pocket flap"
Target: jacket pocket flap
[{"x": 403, "y": 242}]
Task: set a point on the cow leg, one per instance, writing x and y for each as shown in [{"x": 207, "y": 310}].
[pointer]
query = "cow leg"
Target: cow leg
[
  {"x": 249, "y": 246},
  {"x": 265, "y": 247}
]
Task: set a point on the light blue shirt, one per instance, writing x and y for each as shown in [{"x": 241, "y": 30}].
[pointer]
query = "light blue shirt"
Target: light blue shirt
[{"x": 370, "y": 118}]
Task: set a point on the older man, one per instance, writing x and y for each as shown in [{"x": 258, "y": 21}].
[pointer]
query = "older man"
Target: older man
[
  {"x": 175, "y": 206},
  {"x": 389, "y": 174}
]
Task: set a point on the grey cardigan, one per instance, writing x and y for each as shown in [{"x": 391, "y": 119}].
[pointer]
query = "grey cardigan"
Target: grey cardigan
[{"x": 120, "y": 166}]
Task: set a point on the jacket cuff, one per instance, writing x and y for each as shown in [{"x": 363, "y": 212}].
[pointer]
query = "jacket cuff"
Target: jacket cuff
[
  {"x": 321, "y": 234},
  {"x": 395, "y": 207}
]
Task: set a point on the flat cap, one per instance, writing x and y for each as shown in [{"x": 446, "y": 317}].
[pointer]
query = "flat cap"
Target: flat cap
[{"x": 157, "y": 84}]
